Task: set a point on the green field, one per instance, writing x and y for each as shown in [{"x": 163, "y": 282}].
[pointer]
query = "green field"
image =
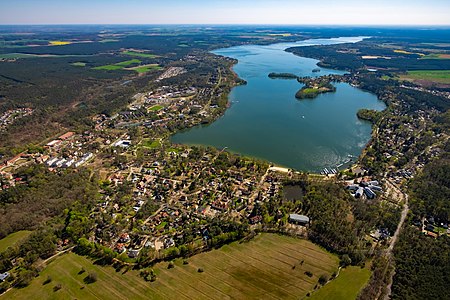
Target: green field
[
  {"x": 433, "y": 76},
  {"x": 156, "y": 107},
  {"x": 79, "y": 64},
  {"x": 436, "y": 56},
  {"x": 139, "y": 54},
  {"x": 12, "y": 239},
  {"x": 146, "y": 68},
  {"x": 346, "y": 286},
  {"x": 268, "y": 267},
  {"x": 118, "y": 66},
  {"x": 147, "y": 143}
]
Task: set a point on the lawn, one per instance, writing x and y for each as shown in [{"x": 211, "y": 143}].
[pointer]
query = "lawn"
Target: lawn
[
  {"x": 147, "y": 143},
  {"x": 442, "y": 76},
  {"x": 268, "y": 267},
  {"x": 156, "y": 107},
  {"x": 139, "y": 54},
  {"x": 12, "y": 239},
  {"x": 346, "y": 286}
]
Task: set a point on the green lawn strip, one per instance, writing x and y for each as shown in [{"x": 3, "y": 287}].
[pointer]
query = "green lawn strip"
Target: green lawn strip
[
  {"x": 346, "y": 286},
  {"x": 109, "y": 68},
  {"x": 139, "y": 54},
  {"x": 13, "y": 239}
]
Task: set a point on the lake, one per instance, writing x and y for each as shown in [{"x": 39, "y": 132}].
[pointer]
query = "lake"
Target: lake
[{"x": 266, "y": 121}]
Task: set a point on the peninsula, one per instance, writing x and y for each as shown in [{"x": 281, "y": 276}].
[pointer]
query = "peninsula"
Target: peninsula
[{"x": 313, "y": 87}]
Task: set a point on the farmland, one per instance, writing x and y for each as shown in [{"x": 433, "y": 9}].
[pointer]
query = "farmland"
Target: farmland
[
  {"x": 436, "y": 56},
  {"x": 441, "y": 76},
  {"x": 13, "y": 239},
  {"x": 269, "y": 266}
]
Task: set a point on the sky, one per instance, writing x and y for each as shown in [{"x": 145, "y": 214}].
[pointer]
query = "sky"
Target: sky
[{"x": 299, "y": 12}]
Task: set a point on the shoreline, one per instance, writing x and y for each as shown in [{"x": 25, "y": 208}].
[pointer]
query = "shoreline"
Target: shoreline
[{"x": 240, "y": 81}]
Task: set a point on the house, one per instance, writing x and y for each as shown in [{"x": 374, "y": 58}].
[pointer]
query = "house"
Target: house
[
  {"x": 124, "y": 238},
  {"x": 53, "y": 143},
  {"x": 359, "y": 192},
  {"x": 3, "y": 276},
  {"x": 133, "y": 253},
  {"x": 120, "y": 248},
  {"x": 66, "y": 135},
  {"x": 298, "y": 219}
]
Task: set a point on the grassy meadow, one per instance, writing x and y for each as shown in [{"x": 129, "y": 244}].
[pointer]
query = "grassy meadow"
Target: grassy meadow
[
  {"x": 268, "y": 267},
  {"x": 13, "y": 239},
  {"x": 346, "y": 286},
  {"x": 139, "y": 54},
  {"x": 119, "y": 66},
  {"x": 442, "y": 76}
]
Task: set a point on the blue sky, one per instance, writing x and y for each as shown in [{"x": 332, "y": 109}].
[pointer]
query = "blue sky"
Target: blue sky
[{"x": 351, "y": 12}]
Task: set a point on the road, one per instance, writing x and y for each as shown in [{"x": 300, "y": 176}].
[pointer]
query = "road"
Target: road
[{"x": 389, "y": 252}]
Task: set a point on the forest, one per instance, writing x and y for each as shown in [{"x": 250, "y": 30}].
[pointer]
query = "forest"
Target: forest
[{"x": 350, "y": 56}]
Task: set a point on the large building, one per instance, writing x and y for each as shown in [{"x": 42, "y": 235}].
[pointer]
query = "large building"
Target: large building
[{"x": 298, "y": 219}]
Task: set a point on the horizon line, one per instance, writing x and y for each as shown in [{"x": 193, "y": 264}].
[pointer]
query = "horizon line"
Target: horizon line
[{"x": 225, "y": 24}]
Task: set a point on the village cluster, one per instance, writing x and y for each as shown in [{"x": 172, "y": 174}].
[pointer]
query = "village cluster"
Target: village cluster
[{"x": 12, "y": 115}]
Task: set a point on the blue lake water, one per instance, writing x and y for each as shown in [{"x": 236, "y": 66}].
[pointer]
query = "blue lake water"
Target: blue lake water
[{"x": 266, "y": 121}]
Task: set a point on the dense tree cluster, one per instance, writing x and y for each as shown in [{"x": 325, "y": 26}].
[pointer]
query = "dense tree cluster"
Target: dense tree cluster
[
  {"x": 422, "y": 267},
  {"x": 43, "y": 195}
]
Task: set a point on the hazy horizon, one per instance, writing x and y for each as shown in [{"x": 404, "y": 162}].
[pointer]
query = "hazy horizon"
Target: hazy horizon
[{"x": 230, "y": 12}]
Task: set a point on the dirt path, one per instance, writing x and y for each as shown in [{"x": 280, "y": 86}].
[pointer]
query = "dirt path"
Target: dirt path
[{"x": 389, "y": 252}]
